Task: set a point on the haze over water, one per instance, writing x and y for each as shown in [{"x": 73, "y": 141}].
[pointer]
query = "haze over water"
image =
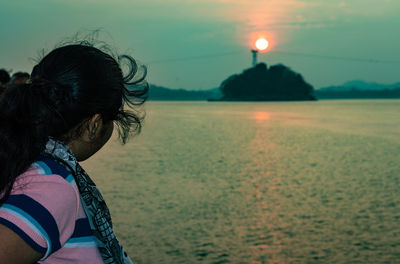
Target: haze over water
[{"x": 265, "y": 182}]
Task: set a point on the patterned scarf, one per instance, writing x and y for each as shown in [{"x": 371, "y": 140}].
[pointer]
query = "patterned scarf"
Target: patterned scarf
[{"x": 93, "y": 204}]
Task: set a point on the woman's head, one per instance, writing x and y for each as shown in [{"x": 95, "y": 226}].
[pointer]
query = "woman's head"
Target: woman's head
[
  {"x": 76, "y": 94},
  {"x": 79, "y": 81}
]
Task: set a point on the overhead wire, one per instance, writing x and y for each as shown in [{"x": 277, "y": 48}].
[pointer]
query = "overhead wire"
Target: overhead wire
[
  {"x": 309, "y": 55},
  {"x": 338, "y": 57},
  {"x": 198, "y": 57}
]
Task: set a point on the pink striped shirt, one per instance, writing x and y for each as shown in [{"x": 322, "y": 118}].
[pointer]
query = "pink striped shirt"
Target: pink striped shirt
[{"x": 45, "y": 210}]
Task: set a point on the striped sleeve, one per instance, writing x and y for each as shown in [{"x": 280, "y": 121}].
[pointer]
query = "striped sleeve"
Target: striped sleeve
[{"x": 42, "y": 213}]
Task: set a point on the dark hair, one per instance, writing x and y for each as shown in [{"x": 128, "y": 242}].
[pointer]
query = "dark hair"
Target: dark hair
[
  {"x": 4, "y": 76},
  {"x": 68, "y": 86}
]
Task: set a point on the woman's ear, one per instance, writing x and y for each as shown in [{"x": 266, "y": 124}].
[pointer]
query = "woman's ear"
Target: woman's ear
[
  {"x": 94, "y": 126},
  {"x": 94, "y": 134}
]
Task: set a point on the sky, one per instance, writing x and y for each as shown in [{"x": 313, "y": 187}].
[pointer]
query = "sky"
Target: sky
[{"x": 196, "y": 44}]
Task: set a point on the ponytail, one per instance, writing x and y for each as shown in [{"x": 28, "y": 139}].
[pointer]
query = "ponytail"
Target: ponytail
[{"x": 28, "y": 117}]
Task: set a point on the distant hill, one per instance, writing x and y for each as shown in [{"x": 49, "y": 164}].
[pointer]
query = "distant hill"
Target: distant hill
[
  {"x": 163, "y": 93},
  {"x": 349, "y": 90},
  {"x": 263, "y": 83},
  {"x": 358, "y": 94},
  {"x": 359, "y": 90},
  {"x": 360, "y": 85}
]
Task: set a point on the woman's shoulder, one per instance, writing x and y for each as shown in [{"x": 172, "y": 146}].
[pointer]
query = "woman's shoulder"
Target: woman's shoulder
[
  {"x": 46, "y": 169},
  {"x": 49, "y": 185}
]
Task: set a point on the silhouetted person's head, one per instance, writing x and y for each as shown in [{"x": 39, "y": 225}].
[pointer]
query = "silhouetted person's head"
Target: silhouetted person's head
[
  {"x": 19, "y": 78},
  {"x": 4, "y": 79}
]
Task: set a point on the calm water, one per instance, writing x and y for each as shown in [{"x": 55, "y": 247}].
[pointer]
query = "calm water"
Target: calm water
[{"x": 300, "y": 182}]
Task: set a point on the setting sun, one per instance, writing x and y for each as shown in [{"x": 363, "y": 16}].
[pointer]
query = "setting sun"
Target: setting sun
[{"x": 262, "y": 44}]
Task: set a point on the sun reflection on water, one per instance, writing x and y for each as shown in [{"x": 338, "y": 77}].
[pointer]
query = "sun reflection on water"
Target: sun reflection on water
[{"x": 261, "y": 116}]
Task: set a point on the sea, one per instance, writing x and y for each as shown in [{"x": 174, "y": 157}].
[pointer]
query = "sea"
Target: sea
[{"x": 257, "y": 182}]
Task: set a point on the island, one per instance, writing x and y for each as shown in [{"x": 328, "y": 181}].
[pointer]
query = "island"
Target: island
[{"x": 262, "y": 83}]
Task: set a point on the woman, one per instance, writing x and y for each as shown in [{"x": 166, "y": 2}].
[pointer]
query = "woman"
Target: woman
[{"x": 50, "y": 210}]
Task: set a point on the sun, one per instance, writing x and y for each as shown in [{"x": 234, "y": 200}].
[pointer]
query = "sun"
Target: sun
[{"x": 262, "y": 44}]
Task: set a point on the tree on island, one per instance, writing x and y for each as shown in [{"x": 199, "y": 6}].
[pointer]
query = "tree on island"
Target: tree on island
[{"x": 276, "y": 83}]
